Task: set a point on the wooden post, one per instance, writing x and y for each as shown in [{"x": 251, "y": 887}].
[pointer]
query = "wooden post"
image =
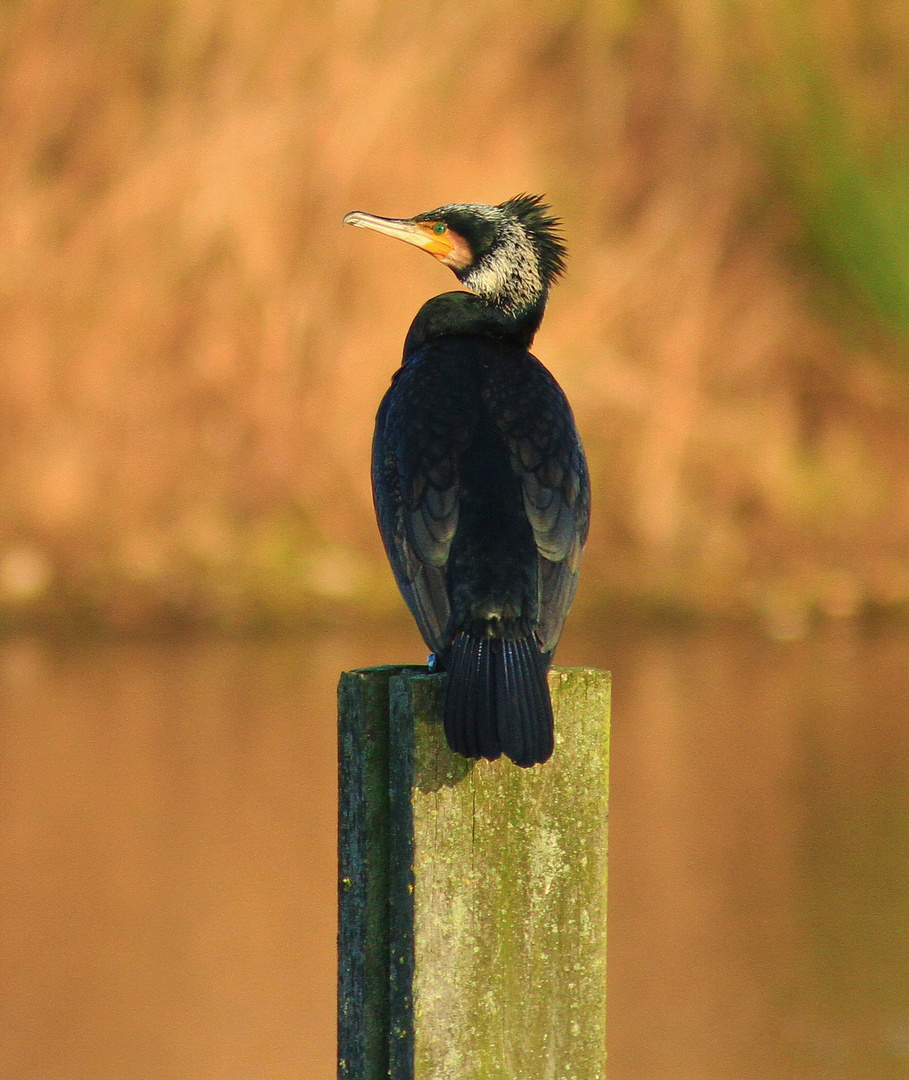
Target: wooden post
[{"x": 472, "y": 941}]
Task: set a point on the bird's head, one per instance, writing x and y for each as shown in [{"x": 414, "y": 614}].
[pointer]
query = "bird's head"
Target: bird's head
[{"x": 508, "y": 254}]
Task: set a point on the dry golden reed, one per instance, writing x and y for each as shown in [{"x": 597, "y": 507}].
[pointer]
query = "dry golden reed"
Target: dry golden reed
[{"x": 194, "y": 349}]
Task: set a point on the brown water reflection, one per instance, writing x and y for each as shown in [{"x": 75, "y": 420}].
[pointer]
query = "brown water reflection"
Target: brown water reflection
[{"x": 167, "y": 892}]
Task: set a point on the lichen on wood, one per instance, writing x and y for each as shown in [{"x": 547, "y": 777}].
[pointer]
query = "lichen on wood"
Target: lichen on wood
[{"x": 496, "y": 893}]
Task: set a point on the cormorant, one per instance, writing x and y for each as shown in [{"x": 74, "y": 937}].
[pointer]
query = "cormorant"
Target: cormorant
[{"x": 479, "y": 478}]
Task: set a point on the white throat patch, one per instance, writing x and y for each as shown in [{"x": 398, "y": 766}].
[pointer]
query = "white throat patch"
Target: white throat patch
[{"x": 509, "y": 276}]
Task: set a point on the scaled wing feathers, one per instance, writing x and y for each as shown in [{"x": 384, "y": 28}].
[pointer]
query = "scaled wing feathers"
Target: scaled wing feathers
[
  {"x": 535, "y": 420},
  {"x": 415, "y": 464}
]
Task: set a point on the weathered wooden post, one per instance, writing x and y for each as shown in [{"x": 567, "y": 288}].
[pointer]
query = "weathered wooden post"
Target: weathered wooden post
[{"x": 472, "y": 942}]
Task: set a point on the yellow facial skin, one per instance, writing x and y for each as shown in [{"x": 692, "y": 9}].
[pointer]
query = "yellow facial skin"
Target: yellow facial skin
[{"x": 433, "y": 236}]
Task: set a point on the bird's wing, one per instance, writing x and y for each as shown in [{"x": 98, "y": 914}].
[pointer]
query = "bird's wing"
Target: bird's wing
[
  {"x": 536, "y": 421},
  {"x": 418, "y": 440}
]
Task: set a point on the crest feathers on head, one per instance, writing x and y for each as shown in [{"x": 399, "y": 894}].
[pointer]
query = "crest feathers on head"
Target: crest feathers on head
[{"x": 533, "y": 214}]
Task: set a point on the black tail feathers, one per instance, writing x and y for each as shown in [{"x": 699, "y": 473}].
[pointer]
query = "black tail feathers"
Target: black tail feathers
[{"x": 497, "y": 700}]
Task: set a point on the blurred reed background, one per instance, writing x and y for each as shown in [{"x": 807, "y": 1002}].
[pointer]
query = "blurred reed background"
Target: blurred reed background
[
  {"x": 193, "y": 350},
  {"x": 191, "y": 359}
]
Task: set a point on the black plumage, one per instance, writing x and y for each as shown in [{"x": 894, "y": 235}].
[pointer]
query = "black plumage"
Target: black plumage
[{"x": 479, "y": 478}]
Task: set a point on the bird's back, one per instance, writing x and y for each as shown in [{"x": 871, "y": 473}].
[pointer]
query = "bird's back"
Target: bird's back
[{"x": 480, "y": 488}]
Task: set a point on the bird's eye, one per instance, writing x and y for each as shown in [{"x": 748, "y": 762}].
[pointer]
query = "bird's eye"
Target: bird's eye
[{"x": 439, "y": 228}]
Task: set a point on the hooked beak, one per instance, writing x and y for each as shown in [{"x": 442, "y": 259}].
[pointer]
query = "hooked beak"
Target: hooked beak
[{"x": 418, "y": 233}]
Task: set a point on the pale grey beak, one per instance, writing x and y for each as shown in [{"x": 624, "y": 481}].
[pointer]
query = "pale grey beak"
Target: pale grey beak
[{"x": 399, "y": 228}]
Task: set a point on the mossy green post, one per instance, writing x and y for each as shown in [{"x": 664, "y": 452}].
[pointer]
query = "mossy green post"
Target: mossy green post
[{"x": 473, "y": 908}]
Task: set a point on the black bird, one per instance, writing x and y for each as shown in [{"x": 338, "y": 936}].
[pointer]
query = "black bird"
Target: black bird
[{"x": 479, "y": 478}]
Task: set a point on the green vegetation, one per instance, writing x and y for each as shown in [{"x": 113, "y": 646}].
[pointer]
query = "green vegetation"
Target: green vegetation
[{"x": 830, "y": 89}]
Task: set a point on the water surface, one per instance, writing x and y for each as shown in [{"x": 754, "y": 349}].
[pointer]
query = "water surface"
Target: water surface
[{"x": 167, "y": 854}]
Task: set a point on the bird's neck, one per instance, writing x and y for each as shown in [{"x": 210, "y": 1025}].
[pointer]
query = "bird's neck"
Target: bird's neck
[
  {"x": 510, "y": 281},
  {"x": 468, "y": 313},
  {"x": 511, "y": 273}
]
